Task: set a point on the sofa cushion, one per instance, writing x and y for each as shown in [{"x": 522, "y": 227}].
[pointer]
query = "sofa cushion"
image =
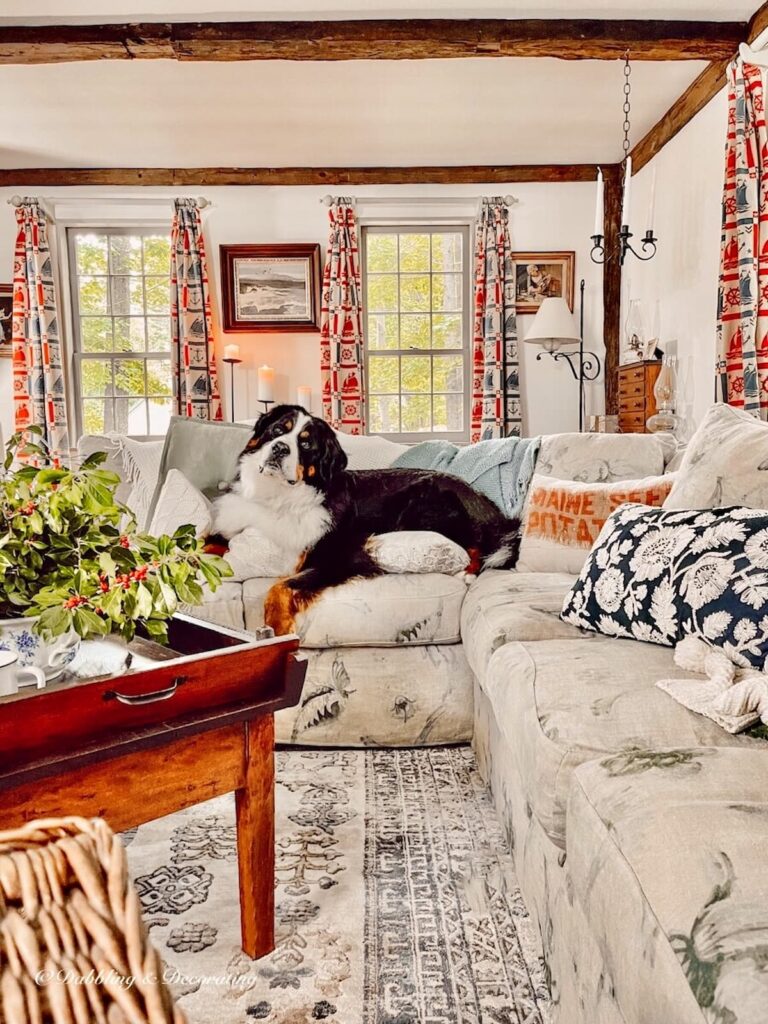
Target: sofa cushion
[
  {"x": 384, "y": 611},
  {"x": 666, "y": 853},
  {"x": 502, "y": 606},
  {"x": 562, "y": 703},
  {"x": 604, "y": 457},
  {"x": 725, "y": 463}
]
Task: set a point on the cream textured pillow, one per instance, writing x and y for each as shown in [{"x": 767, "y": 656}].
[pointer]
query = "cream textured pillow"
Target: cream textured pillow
[
  {"x": 179, "y": 504},
  {"x": 418, "y": 551},
  {"x": 563, "y": 518},
  {"x": 726, "y": 463}
]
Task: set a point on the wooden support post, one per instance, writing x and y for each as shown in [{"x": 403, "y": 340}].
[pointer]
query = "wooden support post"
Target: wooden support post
[{"x": 612, "y": 286}]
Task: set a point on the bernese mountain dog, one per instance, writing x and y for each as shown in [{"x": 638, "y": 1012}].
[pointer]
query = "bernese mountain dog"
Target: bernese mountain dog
[{"x": 293, "y": 485}]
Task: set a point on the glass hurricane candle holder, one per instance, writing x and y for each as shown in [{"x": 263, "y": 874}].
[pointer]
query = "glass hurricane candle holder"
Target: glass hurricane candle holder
[{"x": 665, "y": 393}]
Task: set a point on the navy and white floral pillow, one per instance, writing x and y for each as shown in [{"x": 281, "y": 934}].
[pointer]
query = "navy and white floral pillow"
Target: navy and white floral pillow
[{"x": 659, "y": 575}]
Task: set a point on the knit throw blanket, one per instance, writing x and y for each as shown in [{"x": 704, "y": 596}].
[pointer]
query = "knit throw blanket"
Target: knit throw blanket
[
  {"x": 733, "y": 697},
  {"x": 500, "y": 468}
]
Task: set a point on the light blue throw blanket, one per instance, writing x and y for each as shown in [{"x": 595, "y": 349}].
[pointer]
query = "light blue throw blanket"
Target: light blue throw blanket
[{"x": 501, "y": 468}]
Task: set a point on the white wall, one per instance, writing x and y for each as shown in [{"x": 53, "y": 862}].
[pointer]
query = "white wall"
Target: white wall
[
  {"x": 682, "y": 278},
  {"x": 548, "y": 217}
]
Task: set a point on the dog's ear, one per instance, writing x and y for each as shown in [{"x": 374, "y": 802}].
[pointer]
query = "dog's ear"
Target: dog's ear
[{"x": 331, "y": 458}]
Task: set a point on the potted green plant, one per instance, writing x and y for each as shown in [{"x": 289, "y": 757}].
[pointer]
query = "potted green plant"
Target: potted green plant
[{"x": 73, "y": 565}]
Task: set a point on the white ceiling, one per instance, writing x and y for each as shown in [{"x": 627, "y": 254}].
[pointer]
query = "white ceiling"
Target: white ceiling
[
  {"x": 350, "y": 113},
  {"x": 25, "y": 11}
]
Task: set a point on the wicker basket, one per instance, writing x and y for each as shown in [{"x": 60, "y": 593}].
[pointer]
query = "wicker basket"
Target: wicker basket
[{"x": 73, "y": 946}]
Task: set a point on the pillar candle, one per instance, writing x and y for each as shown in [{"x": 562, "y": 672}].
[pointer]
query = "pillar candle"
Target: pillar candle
[
  {"x": 599, "y": 201},
  {"x": 231, "y": 351},
  {"x": 266, "y": 391},
  {"x": 304, "y": 397},
  {"x": 652, "y": 201},
  {"x": 627, "y": 184}
]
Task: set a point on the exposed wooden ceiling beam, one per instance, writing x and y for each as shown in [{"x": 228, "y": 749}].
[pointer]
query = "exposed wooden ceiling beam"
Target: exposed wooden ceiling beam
[
  {"x": 407, "y": 39},
  {"x": 208, "y": 176},
  {"x": 698, "y": 94},
  {"x": 695, "y": 98}
]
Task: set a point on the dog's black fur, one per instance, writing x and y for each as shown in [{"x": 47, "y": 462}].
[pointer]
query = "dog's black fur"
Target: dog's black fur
[{"x": 367, "y": 502}]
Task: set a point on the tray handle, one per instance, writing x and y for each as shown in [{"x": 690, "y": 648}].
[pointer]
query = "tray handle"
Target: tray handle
[{"x": 146, "y": 698}]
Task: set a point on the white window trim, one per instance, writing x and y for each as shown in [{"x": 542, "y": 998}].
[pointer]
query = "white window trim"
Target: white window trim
[
  {"x": 90, "y": 221},
  {"x": 403, "y": 220}
]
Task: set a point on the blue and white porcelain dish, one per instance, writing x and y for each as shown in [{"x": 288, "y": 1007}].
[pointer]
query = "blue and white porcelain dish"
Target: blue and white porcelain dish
[{"x": 52, "y": 657}]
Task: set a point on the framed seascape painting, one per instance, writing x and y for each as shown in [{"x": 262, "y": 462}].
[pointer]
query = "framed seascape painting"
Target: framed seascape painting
[
  {"x": 542, "y": 275},
  {"x": 6, "y": 316},
  {"x": 270, "y": 287}
]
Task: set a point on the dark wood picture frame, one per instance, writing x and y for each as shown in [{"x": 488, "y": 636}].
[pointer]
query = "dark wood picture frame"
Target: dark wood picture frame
[
  {"x": 565, "y": 262},
  {"x": 306, "y": 289},
  {"x": 6, "y": 311}
]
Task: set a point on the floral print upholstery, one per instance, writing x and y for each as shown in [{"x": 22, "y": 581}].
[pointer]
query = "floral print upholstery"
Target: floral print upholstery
[
  {"x": 669, "y": 857},
  {"x": 502, "y": 606},
  {"x": 561, "y": 704}
]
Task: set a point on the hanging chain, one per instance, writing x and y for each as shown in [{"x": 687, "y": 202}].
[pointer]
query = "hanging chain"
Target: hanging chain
[{"x": 627, "y": 106}]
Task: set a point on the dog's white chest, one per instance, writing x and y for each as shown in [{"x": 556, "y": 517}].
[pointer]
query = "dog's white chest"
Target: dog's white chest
[{"x": 293, "y": 517}]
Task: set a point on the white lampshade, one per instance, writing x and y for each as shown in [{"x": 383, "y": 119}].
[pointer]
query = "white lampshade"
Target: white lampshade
[{"x": 553, "y": 326}]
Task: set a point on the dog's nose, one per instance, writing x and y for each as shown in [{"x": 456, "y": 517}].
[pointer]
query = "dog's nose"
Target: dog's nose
[{"x": 279, "y": 450}]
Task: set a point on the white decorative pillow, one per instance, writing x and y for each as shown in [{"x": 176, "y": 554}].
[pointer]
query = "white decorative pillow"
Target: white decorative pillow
[
  {"x": 180, "y": 504},
  {"x": 141, "y": 468},
  {"x": 252, "y": 555},
  {"x": 604, "y": 458},
  {"x": 369, "y": 451},
  {"x": 417, "y": 551},
  {"x": 563, "y": 518},
  {"x": 725, "y": 463}
]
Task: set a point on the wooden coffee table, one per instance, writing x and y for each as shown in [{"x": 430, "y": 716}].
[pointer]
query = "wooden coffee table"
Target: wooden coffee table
[{"x": 184, "y": 724}]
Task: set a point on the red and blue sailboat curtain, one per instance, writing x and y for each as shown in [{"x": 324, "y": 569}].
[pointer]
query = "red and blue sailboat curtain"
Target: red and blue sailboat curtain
[
  {"x": 193, "y": 359},
  {"x": 496, "y": 410},
  {"x": 38, "y": 373},
  {"x": 742, "y": 325},
  {"x": 341, "y": 324}
]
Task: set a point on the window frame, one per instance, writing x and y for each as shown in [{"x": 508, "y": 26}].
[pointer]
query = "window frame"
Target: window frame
[
  {"x": 404, "y": 226},
  {"x": 78, "y": 355}
]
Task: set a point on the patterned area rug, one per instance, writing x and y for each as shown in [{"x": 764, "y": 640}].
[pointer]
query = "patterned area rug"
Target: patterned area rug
[{"x": 393, "y": 893}]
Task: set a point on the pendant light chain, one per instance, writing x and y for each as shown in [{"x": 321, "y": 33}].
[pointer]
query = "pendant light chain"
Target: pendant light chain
[{"x": 627, "y": 106}]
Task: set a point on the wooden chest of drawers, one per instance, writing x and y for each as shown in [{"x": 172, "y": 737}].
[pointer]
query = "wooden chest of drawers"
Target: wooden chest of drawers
[{"x": 636, "y": 398}]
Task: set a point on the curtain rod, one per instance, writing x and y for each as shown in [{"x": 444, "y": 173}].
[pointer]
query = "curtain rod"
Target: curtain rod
[
  {"x": 202, "y": 202},
  {"x": 412, "y": 200}
]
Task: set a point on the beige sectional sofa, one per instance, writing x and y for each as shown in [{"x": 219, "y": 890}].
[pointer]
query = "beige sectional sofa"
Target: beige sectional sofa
[{"x": 638, "y": 830}]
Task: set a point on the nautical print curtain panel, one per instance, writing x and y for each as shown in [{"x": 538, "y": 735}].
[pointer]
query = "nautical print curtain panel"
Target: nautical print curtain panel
[
  {"x": 496, "y": 408},
  {"x": 38, "y": 375},
  {"x": 341, "y": 324},
  {"x": 742, "y": 328},
  {"x": 195, "y": 383}
]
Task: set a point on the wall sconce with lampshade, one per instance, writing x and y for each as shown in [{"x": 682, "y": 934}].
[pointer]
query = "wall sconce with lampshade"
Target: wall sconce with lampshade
[{"x": 554, "y": 327}]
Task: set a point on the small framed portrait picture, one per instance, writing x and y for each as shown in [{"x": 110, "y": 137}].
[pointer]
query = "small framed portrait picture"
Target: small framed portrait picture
[
  {"x": 542, "y": 275},
  {"x": 270, "y": 287},
  {"x": 6, "y": 319}
]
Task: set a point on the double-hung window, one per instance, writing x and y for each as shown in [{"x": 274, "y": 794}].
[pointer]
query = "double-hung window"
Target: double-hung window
[
  {"x": 122, "y": 329},
  {"x": 416, "y": 300}
]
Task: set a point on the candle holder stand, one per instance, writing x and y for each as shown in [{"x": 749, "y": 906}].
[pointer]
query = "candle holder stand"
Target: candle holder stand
[
  {"x": 232, "y": 364},
  {"x": 266, "y": 402}
]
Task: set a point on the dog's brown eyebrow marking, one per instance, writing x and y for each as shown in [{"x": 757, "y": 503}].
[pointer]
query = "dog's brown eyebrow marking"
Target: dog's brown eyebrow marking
[
  {"x": 289, "y": 424},
  {"x": 304, "y": 433}
]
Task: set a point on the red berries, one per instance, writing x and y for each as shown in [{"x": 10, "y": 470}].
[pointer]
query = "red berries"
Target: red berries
[
  {"x": 125, "y": 542},
  {"x": 74, "y": 602}
]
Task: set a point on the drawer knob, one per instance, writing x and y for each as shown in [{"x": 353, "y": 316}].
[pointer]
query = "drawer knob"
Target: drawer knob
[{"x": 146, "y": 698}]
